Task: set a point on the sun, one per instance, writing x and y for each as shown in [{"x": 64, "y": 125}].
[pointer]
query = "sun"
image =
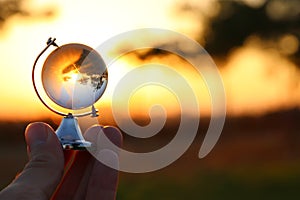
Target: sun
[{"x": 73, "y": 77}]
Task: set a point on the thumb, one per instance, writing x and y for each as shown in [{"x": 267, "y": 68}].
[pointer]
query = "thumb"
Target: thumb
[{"x": 44, "y": 170}]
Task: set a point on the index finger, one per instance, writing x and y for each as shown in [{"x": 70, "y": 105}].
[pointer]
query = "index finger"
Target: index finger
[{"x": 103, "y": 180}]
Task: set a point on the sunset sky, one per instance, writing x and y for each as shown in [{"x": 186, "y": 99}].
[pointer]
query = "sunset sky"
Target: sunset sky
[{"x": 256, "y": 80}]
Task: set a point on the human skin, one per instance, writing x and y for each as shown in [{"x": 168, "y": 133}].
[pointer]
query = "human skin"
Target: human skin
[{"x": 52, "y": 173}]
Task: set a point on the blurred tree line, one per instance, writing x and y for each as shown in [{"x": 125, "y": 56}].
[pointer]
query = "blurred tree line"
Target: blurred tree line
[
  {"x": 10, "y": 8},
  {"x": 277, "y": 22}
]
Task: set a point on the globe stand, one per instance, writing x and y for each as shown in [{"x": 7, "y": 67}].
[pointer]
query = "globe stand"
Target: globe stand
[{"x": 69, "y": 134}]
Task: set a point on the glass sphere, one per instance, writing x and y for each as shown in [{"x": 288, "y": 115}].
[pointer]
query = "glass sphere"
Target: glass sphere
[{"x": 74, "y": 76}]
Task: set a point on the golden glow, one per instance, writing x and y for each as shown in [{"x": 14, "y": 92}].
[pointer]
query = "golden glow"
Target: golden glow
[
  {"x": 23, "y": 38},
  {"x": 289, "y": 44},
  {"x": 151, "y": 94},
  {"x": 74, "y": 77},
  {"x": 259, "y": 80},
  {"x": 256, "y": 80}
]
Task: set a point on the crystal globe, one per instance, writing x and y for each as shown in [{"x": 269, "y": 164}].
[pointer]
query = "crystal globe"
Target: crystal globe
[{"x": 74, "y": 76}]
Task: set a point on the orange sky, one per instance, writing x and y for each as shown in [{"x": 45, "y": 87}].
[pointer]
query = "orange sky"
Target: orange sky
[{"x": 256, "y": 80}]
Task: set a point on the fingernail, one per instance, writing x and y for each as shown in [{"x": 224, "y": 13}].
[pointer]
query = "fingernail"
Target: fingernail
[{"x": 36, "y": 133}]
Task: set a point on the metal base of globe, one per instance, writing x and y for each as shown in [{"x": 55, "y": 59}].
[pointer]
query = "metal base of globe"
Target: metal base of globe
[
  {"x": 69, "y": 134},
  {"x": 78, "y": 145}
]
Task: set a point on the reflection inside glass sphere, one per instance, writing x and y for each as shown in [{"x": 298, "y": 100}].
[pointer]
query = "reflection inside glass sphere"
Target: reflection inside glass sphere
[{"x": 74, "y": 76}]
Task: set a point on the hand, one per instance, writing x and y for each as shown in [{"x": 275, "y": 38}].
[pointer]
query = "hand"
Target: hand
[{"x": 57, "y": 174}]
